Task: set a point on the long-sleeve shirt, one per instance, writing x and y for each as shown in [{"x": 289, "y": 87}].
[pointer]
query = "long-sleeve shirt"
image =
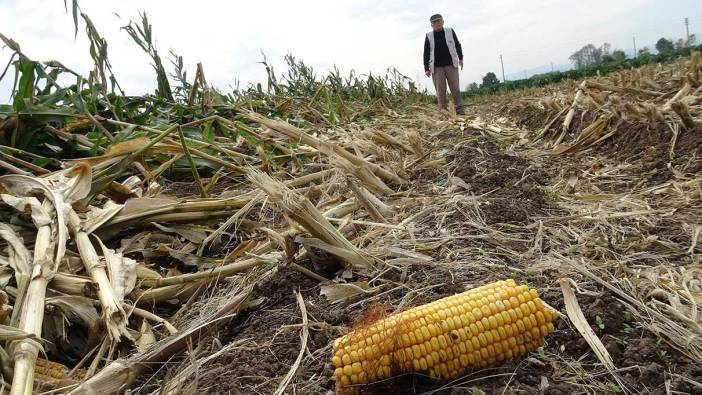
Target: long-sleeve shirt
[{"x": 442, "y": 56}]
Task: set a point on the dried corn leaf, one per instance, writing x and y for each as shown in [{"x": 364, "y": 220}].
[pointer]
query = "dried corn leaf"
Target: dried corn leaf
[
  {"x": 121, "y": 270},
  {"x": 578, "y": 319},
  {"x": 336, "y": 293},
  {"x": 19, "y": 258}
]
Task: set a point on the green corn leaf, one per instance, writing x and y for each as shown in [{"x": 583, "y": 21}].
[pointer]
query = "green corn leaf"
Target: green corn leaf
[{"x": 25, "y": 89}]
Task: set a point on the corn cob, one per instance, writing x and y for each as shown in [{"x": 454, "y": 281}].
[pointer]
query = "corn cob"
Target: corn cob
[
  {"x": 443, "y": 339},
  {"x": 53, "y": 373}
]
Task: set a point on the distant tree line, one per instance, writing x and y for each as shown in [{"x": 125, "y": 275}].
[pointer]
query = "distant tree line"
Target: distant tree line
[{"x": 587, "y": 61}]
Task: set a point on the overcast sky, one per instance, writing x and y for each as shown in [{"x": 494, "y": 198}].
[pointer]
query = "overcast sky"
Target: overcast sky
[{"x": 366, "y": 35}]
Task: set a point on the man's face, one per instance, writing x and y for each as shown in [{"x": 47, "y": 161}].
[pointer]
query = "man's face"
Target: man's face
[{"x": 437, "y": 25}]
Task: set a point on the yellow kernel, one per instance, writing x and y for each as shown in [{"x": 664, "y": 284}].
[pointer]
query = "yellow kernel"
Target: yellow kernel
[
  {"x": 435, "y": 344},
  {"x": 462, "y": 334},
  {"x": 540, "y": 319},
  {"x": 489, "y": 337},
  {"x": 482, "y": 339},
  {"x": 338, "y": 372},
  {"x": 444, "y": 370},
  {"x": 426, "y": 335},
  {"x": 417, "y": 351},
  {"x": 345, "y": 380},
  {"x": 527, "y": 322},
  {"x": 512, "y": 342},
  {"x": 498, "y": 319},
  {"x": 447, "y": 325},
  {"x": 386, "y": 371},
  {"x": 505, "y": 345},
  {"x": 423, "y": 364},
  {"x": 428, "y": 346},
  {"x": 399, "y": 356},
  {"x": 485, "y": 310},
  {"x": 464, "y": 360},
  {"x": 532, "y": 319},
  {"x": 532, "y": 306},
  {"x": 476, "y": 342},
  {"x": 474, "y": 329},
  {"x": 469, "y": 346},
  {"x": 480, "y": 326},
  {"x": 493, "y": 308},
  {"x": 336, "y": 361},
  {"x": 472, "y": 359},
  {"x": 513, "y": 302},
  {"x": 423, "y": 349},
  {"x": 484, "y": 354},
  {"x": 346, "y": 359},
  {"x": 354, "y": 356},
  {"x": 451, "y": 366},
  {"x": 492, "y": 321},
  {"x": 513, "y": 315},
  {"x": 433, "y": 330},
  {"x": 443, "y": 355},
  {"x": 525, "y": 309},
  {"x": 506, "y": 319},
  {"x": 548, "y": 314},
  {"x": 477, "y": 313},
  {"x": 356, "y": 367},
  {"x": 491, "y": 351},
  {"x": 348, "y": 370},
  {"x": 539, "y": 304},
  {"x": 442, "y": 341},
  {"x": 509, "y": 329}
]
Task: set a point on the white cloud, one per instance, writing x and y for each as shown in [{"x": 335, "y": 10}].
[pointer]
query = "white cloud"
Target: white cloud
[{"x": 365, "y": 35}]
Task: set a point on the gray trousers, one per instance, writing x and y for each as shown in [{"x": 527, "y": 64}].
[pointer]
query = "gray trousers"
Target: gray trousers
[{"x": 441, "y": 76}]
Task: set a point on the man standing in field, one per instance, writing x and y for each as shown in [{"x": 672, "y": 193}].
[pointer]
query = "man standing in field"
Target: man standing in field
[{"x": 442, "y": 57}]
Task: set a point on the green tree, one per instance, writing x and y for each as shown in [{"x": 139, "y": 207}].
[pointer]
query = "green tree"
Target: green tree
[
  {"x": 618, "y": 55},
  {"x": 644, "y": 51},
  {"x": 692, "y": 40},
  {"x": 664, "y": 45},
  {"x": 472, "y": 86},
  {"x": 590, "y": 55},
  {"x": 490, "y": 79},
  {"x": 680, "y": 44}
]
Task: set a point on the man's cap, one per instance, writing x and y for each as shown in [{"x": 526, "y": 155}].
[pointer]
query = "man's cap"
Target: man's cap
[{"x": 435, "y": 17}]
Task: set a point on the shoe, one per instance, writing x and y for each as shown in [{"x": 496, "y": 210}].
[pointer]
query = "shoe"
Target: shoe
[{"x": 460, "y": 111}]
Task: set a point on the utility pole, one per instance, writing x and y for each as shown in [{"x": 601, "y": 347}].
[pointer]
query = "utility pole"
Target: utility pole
[
  {"x": 635, "y": 53},
  {"x": 503, "y": 69},
  {"x": 687, "y": 31},
  {"x": 552, "y": 67}
]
